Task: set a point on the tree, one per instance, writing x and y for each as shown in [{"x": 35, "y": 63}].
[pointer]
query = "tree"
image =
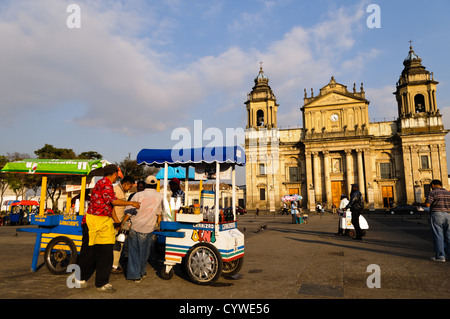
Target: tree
[
  {"x": 90, "y": 155},
  {"x": 138, "y": 172},
  {"x": 50, "y": 152}
]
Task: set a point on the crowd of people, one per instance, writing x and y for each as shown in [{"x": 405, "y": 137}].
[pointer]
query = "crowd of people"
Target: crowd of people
[{"x": 109, "y": 213}]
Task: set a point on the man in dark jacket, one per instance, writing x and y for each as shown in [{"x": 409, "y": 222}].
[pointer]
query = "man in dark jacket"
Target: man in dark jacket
[{"x": 356, "y": 206}]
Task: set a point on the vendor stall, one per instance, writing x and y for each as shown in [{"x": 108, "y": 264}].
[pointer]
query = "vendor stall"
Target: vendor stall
[
  {"x": 204, "y": 239},
  {"x": 58, "y": 236}
]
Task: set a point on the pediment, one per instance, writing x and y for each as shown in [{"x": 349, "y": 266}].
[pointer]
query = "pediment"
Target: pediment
[{"x": 333, "y": 98}]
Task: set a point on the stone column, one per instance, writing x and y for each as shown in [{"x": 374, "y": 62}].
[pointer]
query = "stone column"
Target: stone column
[
  {"x": 349, "y": 170},
  {"x": 408, "y": 174},
  {"x": 317, "y": 181},
  {"x": 326, "y": 170},
  {"x": 368, "y": 161},
  {"x": 444, "y": 169},
  {"x": 436, "y": 169},
  {"x": 359, "y": 153},
  {"x": 309, "y": 179}
]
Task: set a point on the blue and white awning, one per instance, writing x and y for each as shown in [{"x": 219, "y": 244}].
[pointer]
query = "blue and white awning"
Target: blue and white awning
[{"x": 186, "y": 157}]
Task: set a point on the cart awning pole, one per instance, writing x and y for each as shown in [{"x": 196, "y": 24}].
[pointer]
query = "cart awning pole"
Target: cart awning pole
[
  {"x": 43, "y": 195},
  {"x": 166, "y": 177},
  {"x": 216, "y": 219},
  {"x": 82, "y": 195},
  {"x": 233, "y": 184},
  {"x": 186, "y": 187},
  {"x": 68, "y": 202}
]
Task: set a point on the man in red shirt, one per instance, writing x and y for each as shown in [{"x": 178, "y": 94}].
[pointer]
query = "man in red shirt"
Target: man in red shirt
[{"x": 96, "y": 253}]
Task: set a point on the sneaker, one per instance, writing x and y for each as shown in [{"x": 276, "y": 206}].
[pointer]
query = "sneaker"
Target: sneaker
[
  {"x": 117, "y": 270},
  {"x": 441, "y": 260},
  {"x": 106, "y": 288}
]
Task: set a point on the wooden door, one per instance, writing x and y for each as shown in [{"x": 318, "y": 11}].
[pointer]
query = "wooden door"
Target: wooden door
[
  {"x": 387, "y": 193},
  {"x": 337, "y": 189}
]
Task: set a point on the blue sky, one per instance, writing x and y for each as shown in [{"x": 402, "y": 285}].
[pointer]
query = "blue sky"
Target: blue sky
[{"x": 137, "y": 70}]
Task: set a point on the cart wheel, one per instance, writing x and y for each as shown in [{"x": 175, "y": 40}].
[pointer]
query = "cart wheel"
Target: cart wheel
[
  {"x": 204, "y": 264},
  {"x": 351, "y": 233},
  {"x": 233, "y": 267},
  {"x": 59, "y": 254},
  {"x": 166, "y": 275}
]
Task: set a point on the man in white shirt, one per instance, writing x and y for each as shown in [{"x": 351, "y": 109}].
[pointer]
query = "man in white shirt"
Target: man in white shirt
[{"x": 143, "y": 223}]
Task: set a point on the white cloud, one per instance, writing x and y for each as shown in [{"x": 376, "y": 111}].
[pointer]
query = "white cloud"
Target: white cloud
[
  {"x": 124, "y": 84},
  {"x": 383, "y": 106}
]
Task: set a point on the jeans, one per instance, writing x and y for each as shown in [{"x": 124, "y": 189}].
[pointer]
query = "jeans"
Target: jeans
[
  {"x": 440, "y": 222},
  {"x": 138, "y": 252}
]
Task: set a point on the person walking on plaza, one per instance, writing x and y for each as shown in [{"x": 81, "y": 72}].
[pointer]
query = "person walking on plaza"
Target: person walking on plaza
[
  {"x": 143, "y": 223},
  {"x": 118, "y": 214},
  {"x": 344, "y": 202},
  {"x": 98, "y": 239},
  {"x": 439, "y": 203},
  {"x": 356, "y": 206},
  {"x": 294, "y": 212}
]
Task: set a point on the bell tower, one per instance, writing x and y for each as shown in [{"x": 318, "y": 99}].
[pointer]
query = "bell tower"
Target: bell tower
[
  {"x": 416, "y": 97},
  {"x": 421, "y": 130},
  {"x": 262, "y": 147},
  {"x": 261, "y": 104}
]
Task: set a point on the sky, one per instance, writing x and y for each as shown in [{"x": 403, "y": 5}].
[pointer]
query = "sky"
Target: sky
[{"x": 134, "y": 72}]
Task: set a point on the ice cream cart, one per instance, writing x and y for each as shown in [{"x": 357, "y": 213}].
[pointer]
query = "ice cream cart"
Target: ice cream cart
[
  {"x": 205, "y": 239},
  {"x": 58, "y": 236}
]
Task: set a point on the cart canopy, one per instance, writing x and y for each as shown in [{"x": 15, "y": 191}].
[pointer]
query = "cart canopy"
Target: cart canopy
[
  {"x": 186, "y": 157},
  {"x": 54, "y": 166},
  {"x": 26, "y": 203}
]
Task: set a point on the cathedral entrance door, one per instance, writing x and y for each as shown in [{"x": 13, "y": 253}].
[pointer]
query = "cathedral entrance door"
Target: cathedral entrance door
[
  {"x": 337, "y": 189},
  {"x": 387, "y": 192}
]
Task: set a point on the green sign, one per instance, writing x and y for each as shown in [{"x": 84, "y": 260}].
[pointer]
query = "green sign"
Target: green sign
[{"x": 53, "y": 166}]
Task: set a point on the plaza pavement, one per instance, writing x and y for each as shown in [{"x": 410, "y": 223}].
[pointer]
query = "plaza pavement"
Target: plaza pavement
[{"x": 284, "y": 261}]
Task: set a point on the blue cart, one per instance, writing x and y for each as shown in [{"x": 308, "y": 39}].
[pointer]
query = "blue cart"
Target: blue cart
[{"x": 58, "y": 237}]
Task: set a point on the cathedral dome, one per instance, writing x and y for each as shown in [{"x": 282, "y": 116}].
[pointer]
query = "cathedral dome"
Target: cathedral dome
[
  {"x": 412, "y": 57},
  {"x": 261, "y": 77}
]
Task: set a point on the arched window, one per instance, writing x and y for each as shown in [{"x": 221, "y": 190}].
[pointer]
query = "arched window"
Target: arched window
[
  {"x": 419, "y": 102},
  {"x": 260, "y": 118}
]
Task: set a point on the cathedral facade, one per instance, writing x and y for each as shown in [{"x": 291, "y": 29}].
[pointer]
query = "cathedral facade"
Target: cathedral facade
[{"x": 393, "y": 162}]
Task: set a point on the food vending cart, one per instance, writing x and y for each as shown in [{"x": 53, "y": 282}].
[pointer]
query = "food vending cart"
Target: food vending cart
[
  {"x": 204, "y": 240},
  {"x": 58, "y": 236}
]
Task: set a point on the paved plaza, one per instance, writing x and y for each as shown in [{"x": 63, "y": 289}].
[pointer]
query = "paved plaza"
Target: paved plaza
[{"x": 284, "y": 261}]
